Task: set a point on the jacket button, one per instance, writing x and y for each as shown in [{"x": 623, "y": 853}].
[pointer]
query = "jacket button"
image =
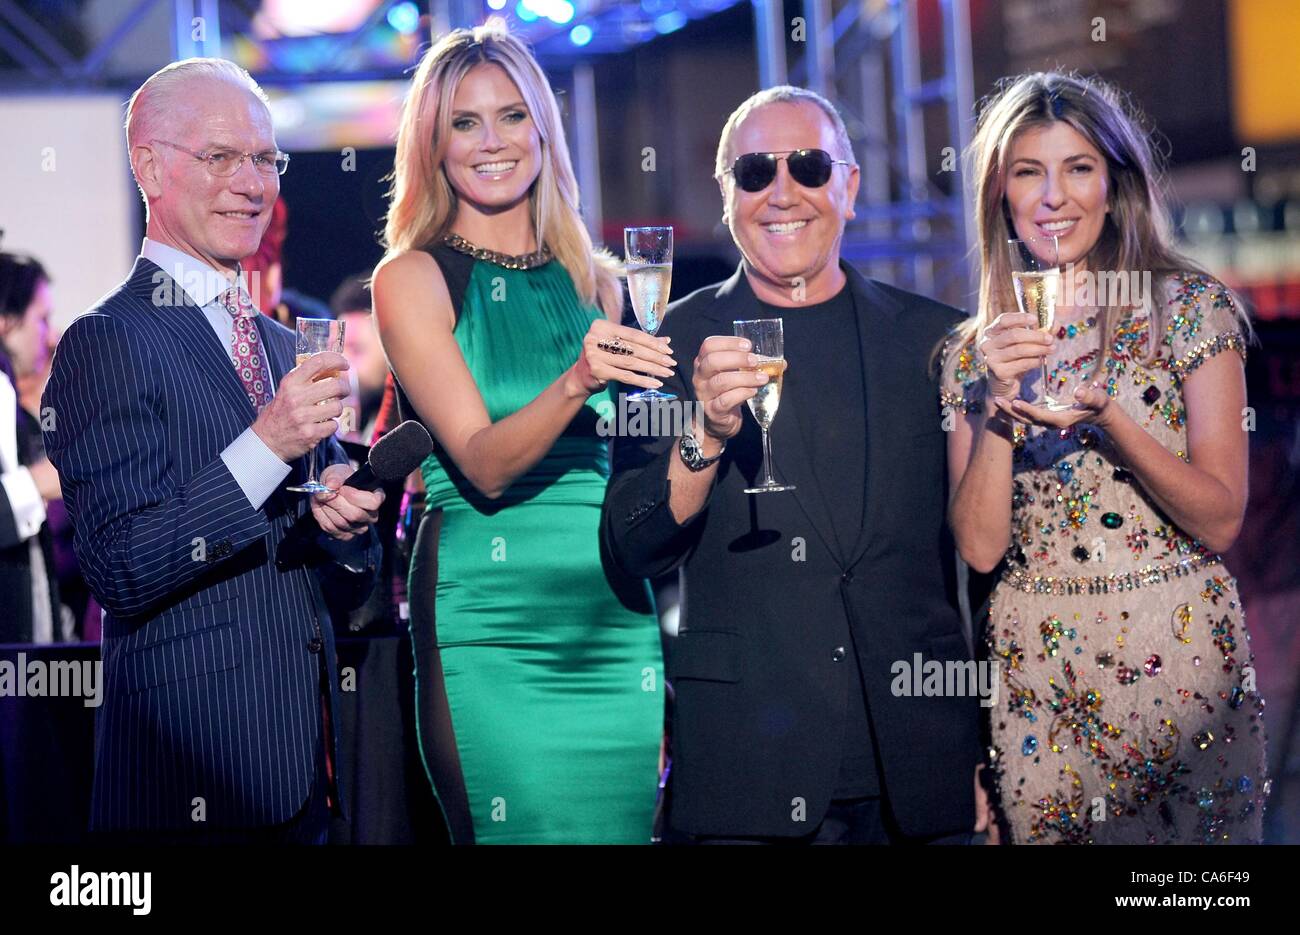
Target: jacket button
[
  {"x": 847, "y": 577},
  {"x": 838, "y": 654},
  {"x": 315, "y": 644},
  {"x": 219, "y": 550}
]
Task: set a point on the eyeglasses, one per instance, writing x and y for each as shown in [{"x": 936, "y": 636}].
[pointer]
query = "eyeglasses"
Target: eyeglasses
[
  {"x": 226, "y": 162},
  {"x": 811, "y": 168}
]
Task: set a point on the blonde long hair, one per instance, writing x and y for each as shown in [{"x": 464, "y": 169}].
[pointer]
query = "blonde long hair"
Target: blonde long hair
[
  {"x": 422, "y": 202},
  {"x": 1136, "y": 235}
]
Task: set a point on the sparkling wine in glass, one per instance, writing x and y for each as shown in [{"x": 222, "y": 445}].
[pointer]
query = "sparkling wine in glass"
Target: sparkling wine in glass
[
  {"x": 316, "y": 335},
  {"x": 767, "y": 339},
  {"x": 648, "y": 252},
  {"x": 1036, "y": 278}
]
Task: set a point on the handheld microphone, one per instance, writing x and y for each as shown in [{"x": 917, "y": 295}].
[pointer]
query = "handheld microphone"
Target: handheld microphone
[{"x": 391, "y": 458}]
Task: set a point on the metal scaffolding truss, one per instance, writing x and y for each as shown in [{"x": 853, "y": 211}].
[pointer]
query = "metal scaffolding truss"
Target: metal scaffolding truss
[
  {"x": 45, "y": 59},
  {"x": 610, "y": 26},
  {"x": 867, "y": 60},
  {"x": 865, "y": 57}
]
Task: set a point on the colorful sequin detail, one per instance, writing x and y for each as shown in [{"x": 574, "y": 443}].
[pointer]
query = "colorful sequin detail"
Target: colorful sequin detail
[
  {"x": 1128, "y": 711},
  {"x": 1188, "y": 341}
]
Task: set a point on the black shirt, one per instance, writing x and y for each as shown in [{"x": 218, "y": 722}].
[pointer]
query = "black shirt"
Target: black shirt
[{"x": 824, "y": 358}]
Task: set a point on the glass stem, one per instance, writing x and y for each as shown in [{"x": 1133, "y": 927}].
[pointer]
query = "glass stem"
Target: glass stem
[
  {"x": 311, "y": 465},
  {"x": 769, "y": 480},
  {"x": 1047, "y": 389}
]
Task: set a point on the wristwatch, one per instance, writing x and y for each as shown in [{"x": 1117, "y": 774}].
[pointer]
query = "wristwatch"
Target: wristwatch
[{"x": 689, "y": 449}]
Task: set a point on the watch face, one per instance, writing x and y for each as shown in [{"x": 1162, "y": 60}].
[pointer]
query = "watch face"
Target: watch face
[
  {"x": 693, "y": 455},
  {"x": 690, "y": 450}
]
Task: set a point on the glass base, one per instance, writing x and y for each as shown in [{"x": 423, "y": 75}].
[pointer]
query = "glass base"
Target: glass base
[
  {"x": 1051, "y": 405},
  {"x": 649, "y": 394},
  {"x": 770, "y": 488},
  {"x": 311, "y": 486}
]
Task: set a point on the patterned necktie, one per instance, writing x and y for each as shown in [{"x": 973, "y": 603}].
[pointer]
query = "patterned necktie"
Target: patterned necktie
[{"x": 246, "y": 347}]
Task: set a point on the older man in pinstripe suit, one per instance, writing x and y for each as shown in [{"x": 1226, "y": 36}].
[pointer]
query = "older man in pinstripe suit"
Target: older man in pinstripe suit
[{"x": 176, "y": 418}]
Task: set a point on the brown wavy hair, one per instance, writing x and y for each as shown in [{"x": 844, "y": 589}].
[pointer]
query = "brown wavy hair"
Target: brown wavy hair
[{"x": 1137, "y": 234}]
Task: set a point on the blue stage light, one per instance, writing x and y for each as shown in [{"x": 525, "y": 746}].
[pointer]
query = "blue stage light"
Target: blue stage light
[
  {"x": 670, "y": 22},
  {"x": 404, "y": 17},
  {"x": 525, "y": 12},
  {"x": 580, "y": 34},
  {"x": 560, "y": 11},
  {"x": 497, "y": 4}
]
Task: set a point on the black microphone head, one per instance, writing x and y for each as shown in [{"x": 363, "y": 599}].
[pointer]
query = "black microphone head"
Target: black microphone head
[{"x": 400, "y": 451}]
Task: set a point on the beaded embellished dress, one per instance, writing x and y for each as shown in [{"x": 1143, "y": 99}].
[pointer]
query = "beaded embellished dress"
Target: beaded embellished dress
[{"x": 1127, "y": 709}]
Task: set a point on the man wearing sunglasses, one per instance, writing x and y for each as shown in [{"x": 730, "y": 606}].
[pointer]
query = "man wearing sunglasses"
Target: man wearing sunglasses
[
  {"x": 175, "y": 418},
  {"x": 803, "y": 608}
]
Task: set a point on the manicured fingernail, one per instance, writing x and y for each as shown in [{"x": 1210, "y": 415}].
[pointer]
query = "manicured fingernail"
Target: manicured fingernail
[
  {"x": 752, "y": 360},
  {"x": 744, "y": 344}
]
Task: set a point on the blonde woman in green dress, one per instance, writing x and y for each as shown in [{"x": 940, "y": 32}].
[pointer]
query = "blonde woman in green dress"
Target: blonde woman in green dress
[
  {"x": 538, "y": 669},
  {"x": 1128, "y": 711}
]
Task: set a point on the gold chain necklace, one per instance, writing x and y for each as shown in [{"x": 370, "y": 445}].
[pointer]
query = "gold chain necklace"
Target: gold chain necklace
[{"x": 532, "y": 260}]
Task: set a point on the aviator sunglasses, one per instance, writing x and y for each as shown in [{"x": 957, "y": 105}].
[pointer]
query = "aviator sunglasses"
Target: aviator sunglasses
[{"x": 811, "y": 168}]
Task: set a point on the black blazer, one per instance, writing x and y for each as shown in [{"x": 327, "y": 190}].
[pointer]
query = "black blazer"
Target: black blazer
[
  {"x": 758, "y": 666},
  {"x": 16, "y": 593}
]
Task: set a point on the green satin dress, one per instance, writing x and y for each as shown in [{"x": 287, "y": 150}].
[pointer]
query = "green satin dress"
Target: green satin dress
[{"x": 551, "y": 661}]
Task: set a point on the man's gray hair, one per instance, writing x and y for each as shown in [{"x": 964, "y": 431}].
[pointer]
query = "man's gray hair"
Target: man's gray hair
[
  {"x": 149, "y": 105},
  {"x": 783, "y": 94}
]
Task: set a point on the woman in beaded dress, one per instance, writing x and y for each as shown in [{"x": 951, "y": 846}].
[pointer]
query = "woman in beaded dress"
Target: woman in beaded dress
[
  {"x": 1128, "y": 711},
  {"x": 538, "y": 667}
]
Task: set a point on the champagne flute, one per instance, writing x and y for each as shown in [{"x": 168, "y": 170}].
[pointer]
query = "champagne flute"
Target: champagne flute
[
  {"x": 316, "y": 335},
  {"x": 648, "y": 253},
  {"x": 1036, "y": 278},
  {"x": 767, "y": 338}
]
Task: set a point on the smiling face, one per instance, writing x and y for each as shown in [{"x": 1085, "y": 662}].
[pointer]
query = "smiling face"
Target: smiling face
[
  {"x": 788, "y": 232},
  {"x": 494, "y": 153},
  {"x": 217, "y": 220},
  {"x": 1057, "y": 186}
]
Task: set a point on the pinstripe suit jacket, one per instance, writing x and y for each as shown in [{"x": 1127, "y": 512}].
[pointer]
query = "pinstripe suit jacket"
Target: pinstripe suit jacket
[{"x": 211, "y": 667}]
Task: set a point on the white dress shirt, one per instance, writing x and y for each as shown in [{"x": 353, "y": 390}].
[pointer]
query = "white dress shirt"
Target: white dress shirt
[
  {"x": 28, "y": 506},
  {"x": 19, "y": 486},
  {"x": 257, "y": 469}
]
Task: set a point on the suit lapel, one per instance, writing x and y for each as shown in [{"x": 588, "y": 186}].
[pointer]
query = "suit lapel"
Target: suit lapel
[
  {"x": 883, "y": 361},
  {"x": 790, "y": 458},
  {"x": 277, "y": 351},
  {"x": 178, "y": 315}
]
